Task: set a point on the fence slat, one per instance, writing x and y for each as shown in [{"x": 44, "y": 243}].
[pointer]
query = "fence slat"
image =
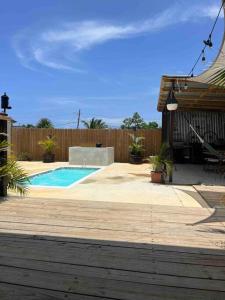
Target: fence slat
[{"x": 26, "y": 140}]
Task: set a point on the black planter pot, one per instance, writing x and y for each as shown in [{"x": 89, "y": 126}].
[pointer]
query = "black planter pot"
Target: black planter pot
[
  {"x": 48, "y": 157},
  {"x": 136, "y": 159},
  {"x": 3, "y": 186}
]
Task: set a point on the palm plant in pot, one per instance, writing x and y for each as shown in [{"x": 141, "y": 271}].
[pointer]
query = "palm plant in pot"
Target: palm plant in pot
[
  {"x": 12, "y": 176},
  {"x": 48, "y": 145},
  {"x": 161, "y": 165},
  {"x": 136, "y": 149}
]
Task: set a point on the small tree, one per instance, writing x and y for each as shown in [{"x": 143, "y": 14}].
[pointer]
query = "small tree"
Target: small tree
[
  {"x": 136, "y": 121},
  {"x": 28, "y": 125},
  {"x": 151, "y": 125},
  {"x": 45, "y": 123},
  {"x": 95, "y": 124}
]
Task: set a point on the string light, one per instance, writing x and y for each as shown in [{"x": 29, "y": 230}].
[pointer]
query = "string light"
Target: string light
[
  {"x": 207, "y": 43},
  {"x": 203, "y": 56}
]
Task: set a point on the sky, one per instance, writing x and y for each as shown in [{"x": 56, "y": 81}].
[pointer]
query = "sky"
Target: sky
[{"x": 104, "y": 57}]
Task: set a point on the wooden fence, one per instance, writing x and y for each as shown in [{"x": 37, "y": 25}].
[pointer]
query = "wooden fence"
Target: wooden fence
[{"x": 25, "y": 140}]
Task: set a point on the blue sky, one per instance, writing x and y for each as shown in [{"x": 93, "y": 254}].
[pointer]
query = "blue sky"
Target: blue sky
[{"x": 103, "y": 57}]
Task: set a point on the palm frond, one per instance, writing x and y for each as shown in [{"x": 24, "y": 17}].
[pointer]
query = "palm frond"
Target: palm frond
[
  {"x": 136, "y": 146},
  {"x": 86, "y": 124},
  {"x": 17, "y": 178},
  {"x": 95, "y": 124},
  {"x": 48, "y": 145},
  {"x": 161, "y": 162},
  {"x": 4, "y": 146}
]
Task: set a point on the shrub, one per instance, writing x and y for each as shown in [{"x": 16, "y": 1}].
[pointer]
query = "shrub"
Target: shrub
[{"x": 24, "y": 156}]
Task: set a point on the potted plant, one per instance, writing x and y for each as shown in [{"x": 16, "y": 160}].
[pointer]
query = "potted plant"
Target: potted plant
[
  {"x": 136, "y": 149},
  {"x": 48, "y": 145},
  {"x": 161, "y": 165},
  {"x": 12, "y": 176}
]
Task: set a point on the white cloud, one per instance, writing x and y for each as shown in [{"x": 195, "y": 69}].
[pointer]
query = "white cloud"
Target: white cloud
[
  {"x": 41, "y": 57},
  {"x": 58, "y": 48},
  {"x": 211, "y": 11}
]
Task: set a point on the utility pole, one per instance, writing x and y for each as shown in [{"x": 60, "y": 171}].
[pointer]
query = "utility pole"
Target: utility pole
[{"x": 78, "y": 119}]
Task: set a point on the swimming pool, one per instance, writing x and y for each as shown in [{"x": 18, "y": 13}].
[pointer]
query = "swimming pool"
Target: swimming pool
[{"x": 61, "y": 177}]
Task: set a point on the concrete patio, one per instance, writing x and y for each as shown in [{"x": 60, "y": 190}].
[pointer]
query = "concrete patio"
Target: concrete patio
[
  {"x": 195, "y": 174},
  {"x": 119, "y": 182}
]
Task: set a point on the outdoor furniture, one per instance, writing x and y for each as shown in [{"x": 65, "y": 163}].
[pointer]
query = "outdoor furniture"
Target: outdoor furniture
[
  {"x": 211, "y": 164},
  {"x": 214, "y": 163}
]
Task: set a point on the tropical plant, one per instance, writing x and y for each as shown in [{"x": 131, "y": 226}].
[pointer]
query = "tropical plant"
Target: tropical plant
[
  {"x": 16, "y": 178},
  {"x": 136, "y": 146},
  {"x": 95, "y": 124},
  {"x": 45, "y": 123},
  {"x": 161, "y": 162},
  {"x": 48, "y": 145}
]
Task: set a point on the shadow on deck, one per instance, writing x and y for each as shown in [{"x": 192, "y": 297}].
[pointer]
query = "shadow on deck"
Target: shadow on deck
[{"x": 43, "y": 267}]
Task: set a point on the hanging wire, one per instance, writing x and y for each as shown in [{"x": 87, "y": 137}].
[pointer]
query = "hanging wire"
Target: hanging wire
[{"x": 208, "y": 43}]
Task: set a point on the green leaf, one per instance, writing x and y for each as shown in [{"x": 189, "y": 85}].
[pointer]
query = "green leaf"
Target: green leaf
[
  {"x": 95, "y": 124},
  {"x": 18, "y": 179}
]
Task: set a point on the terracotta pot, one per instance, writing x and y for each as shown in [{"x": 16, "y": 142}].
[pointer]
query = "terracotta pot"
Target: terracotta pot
[
  {"x": 136, "y": 159},
  {"x": 157, "y": 177},
  {"x": 48, "y": 157}
]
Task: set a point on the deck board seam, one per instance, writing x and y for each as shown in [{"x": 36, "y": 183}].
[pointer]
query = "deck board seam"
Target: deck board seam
[{"x": 61, "y": 291}]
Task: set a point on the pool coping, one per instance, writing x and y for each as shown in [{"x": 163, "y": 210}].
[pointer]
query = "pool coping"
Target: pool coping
[{"x": 99, "y": 169}]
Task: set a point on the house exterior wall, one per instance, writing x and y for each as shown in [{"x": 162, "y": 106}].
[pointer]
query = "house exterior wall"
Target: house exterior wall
[{"x": 209, "y": 125}]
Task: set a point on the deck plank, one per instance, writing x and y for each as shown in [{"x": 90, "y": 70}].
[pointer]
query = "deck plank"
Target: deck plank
[{"x": 51, "y": 249}]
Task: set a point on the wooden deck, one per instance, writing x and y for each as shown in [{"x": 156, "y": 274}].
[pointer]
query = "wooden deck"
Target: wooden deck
[{"x": 64, "y": 249}]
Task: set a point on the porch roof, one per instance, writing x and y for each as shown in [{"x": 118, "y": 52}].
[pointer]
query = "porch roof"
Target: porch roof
[{"x": 198, "y": 95}]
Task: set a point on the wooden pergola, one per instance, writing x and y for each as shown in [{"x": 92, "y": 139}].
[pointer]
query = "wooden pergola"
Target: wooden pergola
[
  {"x": 200, "y": 103},
  {"x": 197, "y": 97}
]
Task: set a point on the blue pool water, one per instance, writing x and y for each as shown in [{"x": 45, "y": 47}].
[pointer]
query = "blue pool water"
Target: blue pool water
[{"x": 61, "y": 177}]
